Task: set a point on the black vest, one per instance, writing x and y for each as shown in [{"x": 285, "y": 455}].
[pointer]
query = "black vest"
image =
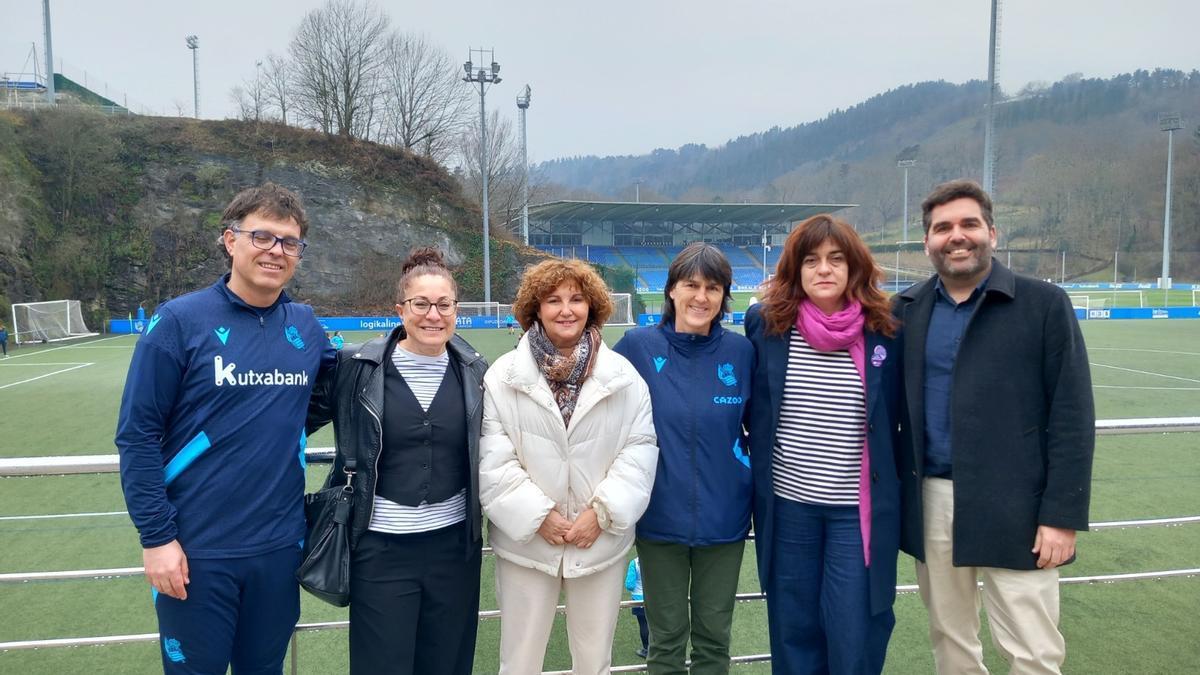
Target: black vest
[{"x": 424, "y": 455}]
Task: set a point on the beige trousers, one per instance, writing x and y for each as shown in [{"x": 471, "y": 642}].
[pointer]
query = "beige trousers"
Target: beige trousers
[
  {"x": 528, "y": 599},
  {"x": 1022, "y": 605}
]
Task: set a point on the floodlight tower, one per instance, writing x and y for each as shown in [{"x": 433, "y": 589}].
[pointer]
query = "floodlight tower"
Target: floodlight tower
[
  {"x": 50, "y": 98},
  {"x": 193, "y": 43},
  {"x": 989, "y": 149},
  {"x": 1169, "y": 123},
  {"x": 484, "y": 76},
  {"x": 523, "y": 105},
  {"x": 906, "y": 164}
]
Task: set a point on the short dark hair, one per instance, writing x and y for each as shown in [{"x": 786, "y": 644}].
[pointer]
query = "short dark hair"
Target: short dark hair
[
  {"x": 423, "y": 260},
  {"x": 710, "y": 263},
  {"x": 269, "y": 201},
  {"x": 956, "y": 189}
]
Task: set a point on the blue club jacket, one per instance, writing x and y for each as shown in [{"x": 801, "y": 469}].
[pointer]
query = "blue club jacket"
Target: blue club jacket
[
  {"x": 699, "y": 387},
  {"x": 884, "y": 387},
  {"x": 211, "y": 428}
]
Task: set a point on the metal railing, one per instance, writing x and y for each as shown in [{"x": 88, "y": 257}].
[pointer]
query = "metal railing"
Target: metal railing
[
  {"x": 110, "y": 463},
  {"x": 125, "y": 572},
  {"x": 66, "y": 465}
]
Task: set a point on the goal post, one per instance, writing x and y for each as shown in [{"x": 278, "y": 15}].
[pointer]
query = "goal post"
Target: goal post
[
  {"x": 622, "y": 309},
  {"x": 49, "y": 321},
  {"x": 479, "y": 315}
]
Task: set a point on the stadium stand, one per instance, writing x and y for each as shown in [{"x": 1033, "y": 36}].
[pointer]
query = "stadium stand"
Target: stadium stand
[{"x": 646, "y": 236}]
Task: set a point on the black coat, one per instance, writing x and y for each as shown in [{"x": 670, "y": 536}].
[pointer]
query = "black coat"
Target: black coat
[
  {"x": 351, "y": 397},
  {"x": 883, "y": 415},
  {"x": 1022, "y": 420}
]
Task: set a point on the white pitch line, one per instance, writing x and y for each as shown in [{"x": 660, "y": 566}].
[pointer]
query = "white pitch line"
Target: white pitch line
[
  {"x": 66, "y": 515},
  {"x": 56, "y": 372},
  {"x": 1148, "y": 351},
  {"x": 1143, "y": 523},
  {"x": 28, "y": 365},
  {"x": 54, "y": 349},
  {"x": 1145, "y": 372},
  {"x": 1122, "y": 386}
]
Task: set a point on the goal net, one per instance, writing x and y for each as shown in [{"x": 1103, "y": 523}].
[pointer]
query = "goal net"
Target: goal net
[
  {"x": 1088, "y": 302},
  {"x": 622, "y": 309},
  {"x": 479, "y": 315},
  {"x": 48, "y": 321}
]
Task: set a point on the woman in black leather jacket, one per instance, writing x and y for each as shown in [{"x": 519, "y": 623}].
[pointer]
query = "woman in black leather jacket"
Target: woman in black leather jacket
[{"x": 409, "y": 407}]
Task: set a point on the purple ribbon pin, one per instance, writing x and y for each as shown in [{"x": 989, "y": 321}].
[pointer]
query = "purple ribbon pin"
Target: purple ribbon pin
[{"x": 878, "y": 356}]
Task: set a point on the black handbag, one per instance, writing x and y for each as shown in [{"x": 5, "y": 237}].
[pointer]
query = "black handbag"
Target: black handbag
[{"x": 325, "y": 567}]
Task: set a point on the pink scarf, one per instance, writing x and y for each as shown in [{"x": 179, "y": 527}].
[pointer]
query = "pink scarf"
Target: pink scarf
[{"x": 834, "y": 332}]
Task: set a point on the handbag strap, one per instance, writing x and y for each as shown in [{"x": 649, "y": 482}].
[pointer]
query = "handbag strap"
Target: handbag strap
[{"x": 349, "y": 456}]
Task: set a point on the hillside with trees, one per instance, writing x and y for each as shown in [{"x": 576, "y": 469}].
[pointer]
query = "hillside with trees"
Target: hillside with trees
[
  {"x": 1080, "y": 165},
  {"x": 123, "y": 211}
]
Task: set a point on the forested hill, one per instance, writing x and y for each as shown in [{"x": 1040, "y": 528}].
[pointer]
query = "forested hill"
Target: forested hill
[
  {"x": 1080, "y": 165},
  {"x": 748, "y": 162}
]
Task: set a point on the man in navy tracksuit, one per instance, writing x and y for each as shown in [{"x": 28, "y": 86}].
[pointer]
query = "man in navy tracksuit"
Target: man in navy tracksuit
[{"x": 211, "y": 437}]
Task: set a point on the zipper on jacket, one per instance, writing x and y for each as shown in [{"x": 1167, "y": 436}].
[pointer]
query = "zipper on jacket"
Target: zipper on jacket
[
  {"x": 379, "y": 435},
  {"x": 693, "y": 495}
]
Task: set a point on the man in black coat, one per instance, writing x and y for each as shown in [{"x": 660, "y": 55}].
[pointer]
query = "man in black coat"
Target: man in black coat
[{"x": 996, "y": 459}]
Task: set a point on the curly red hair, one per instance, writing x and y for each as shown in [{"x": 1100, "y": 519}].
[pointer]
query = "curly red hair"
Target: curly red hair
[
  {"x": 784, "y": 291},
  {"x": 543, "y": 278}
]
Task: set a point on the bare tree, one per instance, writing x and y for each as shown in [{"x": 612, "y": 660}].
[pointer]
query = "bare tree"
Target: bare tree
[
  {"x": 250, "y": 96},
  {"x": 504, "y": 168},
  {"x": 277, "y": 78},
  {"x": 338, "y": 54},
  {"x": 424, "y": 105}
]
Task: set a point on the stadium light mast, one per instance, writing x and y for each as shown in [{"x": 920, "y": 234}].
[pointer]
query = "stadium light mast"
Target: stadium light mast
[
  {"x": 193, "y": 43},
  {"x": 1169, "y": 123},
  {"x": 906, "y": 164},
  {"x": 484, "y": 76},
  {"x": 50, "y": 97},
  {"x": 989, "y": 149},
  {"x": 766, "y": 247},
  {"x": 523, "y": 105}
]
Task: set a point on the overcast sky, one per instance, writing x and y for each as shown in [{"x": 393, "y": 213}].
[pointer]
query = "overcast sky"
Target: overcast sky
[{"x": 622, "y": 77}]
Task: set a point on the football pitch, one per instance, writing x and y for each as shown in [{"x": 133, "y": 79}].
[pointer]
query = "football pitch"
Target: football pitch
[{"x": 62, "y": 399}]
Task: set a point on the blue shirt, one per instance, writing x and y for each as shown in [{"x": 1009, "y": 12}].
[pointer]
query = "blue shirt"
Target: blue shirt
[
  {"x": 211, "y": 427},
  {"x": 947, "y": 325}
]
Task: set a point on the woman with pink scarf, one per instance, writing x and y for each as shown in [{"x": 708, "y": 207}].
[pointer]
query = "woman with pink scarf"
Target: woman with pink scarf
[{"x": 824, "y": 429}]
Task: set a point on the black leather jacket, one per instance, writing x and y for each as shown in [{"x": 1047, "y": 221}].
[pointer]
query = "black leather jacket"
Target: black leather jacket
[{"x": 351, "y": 396}]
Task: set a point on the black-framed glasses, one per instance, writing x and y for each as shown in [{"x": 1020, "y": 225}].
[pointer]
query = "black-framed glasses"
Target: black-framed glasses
[
  {"x": 261, "y": 239},
  {"x": 445, "y": 306}
]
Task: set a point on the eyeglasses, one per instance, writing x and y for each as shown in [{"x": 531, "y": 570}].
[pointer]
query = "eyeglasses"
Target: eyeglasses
[
  {"x": 266, "y": 241},
  {"x": 421, "y": 306}
]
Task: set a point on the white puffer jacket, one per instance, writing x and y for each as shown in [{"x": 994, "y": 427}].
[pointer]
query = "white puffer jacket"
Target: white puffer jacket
[{"x": 529, "y": 462}]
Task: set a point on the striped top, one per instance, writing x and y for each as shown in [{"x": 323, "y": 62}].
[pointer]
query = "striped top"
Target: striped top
[
  {"x": 822, "y": 427},
  {"x": 423, "y": 375}
]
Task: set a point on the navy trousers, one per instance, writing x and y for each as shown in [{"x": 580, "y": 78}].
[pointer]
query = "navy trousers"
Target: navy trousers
[
  {"x": 239, "y": 612},
  {"x": 818, "y": 596}
]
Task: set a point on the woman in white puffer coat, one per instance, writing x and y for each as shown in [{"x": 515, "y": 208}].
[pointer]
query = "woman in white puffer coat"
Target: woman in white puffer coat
[{"x": 566, "y": 465}]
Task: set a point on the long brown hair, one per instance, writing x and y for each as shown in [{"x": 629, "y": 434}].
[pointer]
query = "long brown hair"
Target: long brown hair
[{"x": 784, "y": 291}]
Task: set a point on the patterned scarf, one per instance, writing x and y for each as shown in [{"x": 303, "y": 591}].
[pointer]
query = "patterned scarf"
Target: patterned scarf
[{"x": 564, "y": 374}]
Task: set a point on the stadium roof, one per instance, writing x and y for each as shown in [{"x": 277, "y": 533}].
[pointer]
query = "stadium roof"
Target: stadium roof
[{"x": 566, "y": 211}]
